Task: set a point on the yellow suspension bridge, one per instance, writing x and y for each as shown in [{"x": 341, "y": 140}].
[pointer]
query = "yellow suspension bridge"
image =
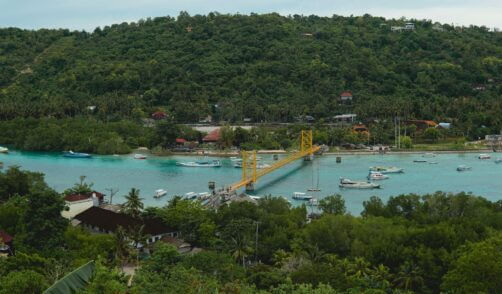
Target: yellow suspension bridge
[{"x": 249, "y": 173}]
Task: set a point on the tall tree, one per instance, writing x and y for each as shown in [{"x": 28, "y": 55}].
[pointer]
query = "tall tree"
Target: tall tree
[{"x": 134, "y": 204}]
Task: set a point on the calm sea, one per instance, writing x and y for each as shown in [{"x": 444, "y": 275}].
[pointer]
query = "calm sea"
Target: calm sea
[{"x": 125, "y": 172}]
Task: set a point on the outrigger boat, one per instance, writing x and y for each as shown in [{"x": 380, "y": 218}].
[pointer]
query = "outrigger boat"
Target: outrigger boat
[
  {"x": 72, "y": 154},
  {"x": 346, "y": 183},
  {"x": 387, "y": 169},
  {"x": 212, "y": 163}
]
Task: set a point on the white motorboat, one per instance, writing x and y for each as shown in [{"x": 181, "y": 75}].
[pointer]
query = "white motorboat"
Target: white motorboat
[
  {"x": 191, "y": 195},
  {"x": 498, "y": 160},
  {"x": 484, "y": 156},
  {"x": 139, "y": 156},
  {"x": 204, "y": 195},
  {"x": 4, "y": 149},
  {"x": 462, "y": 168},
  {"x": 202, "y": 163},
  {"x": 377, "y": 176},
  {"x": 254, "y": 197},
  {"x": 159, "y": 193},
  {"x": 429, "y": 154},
  {"x": 301, "y": 196},
  {"x": 346, "y": 183},
  {"x": 387, "y": 169}
]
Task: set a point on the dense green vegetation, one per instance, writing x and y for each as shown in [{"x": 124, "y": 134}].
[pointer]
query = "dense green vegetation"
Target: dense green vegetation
[
  {"x": 263, "y": 67},
  {"x": 424, "y": 244}
]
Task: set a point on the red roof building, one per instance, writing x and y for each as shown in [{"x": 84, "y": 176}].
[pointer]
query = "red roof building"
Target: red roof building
[
  {"x": 158, "y": 115},
  {"x": 180, "y": 141},
  {"x": 80, "y": 197},
  {"x": 6, "y": 244},
  {"x": 346, "y": 96},
  {"x": 213, "y": 136}
]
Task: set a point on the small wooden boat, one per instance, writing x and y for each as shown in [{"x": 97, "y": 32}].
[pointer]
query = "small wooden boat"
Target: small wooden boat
[
  {"x": 419, "y": 160},
  {"x": 462, "y": 168},
  {"x": 71, "y": 154}
]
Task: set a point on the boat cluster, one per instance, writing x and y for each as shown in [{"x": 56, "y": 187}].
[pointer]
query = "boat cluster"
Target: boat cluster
[{"x": 376, "y": 173}]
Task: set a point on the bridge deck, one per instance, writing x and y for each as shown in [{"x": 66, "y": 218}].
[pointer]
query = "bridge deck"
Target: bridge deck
[{"x": 275, "y": 166}]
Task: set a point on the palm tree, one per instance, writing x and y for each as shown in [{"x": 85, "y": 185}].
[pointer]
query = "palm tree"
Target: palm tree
[
  {"x": 133, "y": 204},
  {"x": 122, "y": 246},
  {"x": 409, "y": 277}
]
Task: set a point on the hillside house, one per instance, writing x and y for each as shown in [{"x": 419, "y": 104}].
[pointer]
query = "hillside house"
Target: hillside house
[
  {"x": 78, "y": 203},
  {"x": 346, "y": 96},
  {"x": 100, "y": 220},
  {"x": 159, "y": 115},
  {"x": 212, "y": 137},
  {"x": 345, "y": 118},
  {"x": 409, "y": 26},
  {"x": 360, "y": 128},
  {"x": 396, "y": 29},
  {"x": 6, "y": 244}
]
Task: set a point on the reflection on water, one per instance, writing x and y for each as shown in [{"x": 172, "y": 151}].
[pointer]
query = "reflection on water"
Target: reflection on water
[{"x": 124, "y": 172}]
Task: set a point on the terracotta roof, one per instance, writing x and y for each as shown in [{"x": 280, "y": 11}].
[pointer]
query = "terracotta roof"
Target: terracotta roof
[
  {"x": 159, "y": 115},
  {"x": 4, "y": 237},
  {"x": 427, "y": 122},
  {"x": 213, "y": 136},
  {"x": 79, "y": 197},
  {"x": 110, "y": 221},
  {"x": 178, "y": 243},
  {"x": 346, "y": 94},
  {"x": 180, "y": 140},
  {"x": 76, "y": 197}
]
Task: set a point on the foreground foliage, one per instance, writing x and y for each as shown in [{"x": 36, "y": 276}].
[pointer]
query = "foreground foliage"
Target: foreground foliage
[{"x": 412, "y": 243}]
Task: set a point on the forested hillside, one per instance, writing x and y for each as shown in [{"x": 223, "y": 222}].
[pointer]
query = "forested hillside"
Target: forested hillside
[{"x": 265, "y": 67}]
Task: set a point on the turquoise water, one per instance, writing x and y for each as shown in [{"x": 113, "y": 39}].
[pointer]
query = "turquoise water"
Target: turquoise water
[{"x": 124, "y": 172}]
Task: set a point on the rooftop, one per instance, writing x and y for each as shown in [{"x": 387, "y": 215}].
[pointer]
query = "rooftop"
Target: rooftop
[
  {"x": 4, "y": 237},
  {"x": 110, "y": 221}
]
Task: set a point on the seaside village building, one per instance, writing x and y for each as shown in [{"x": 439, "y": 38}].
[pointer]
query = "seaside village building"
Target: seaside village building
[{"x": 92, "y": 213}]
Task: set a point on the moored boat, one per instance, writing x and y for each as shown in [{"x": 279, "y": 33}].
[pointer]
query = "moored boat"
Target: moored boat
[
  {"x": 191, "y": 195},
  {"x": 429, "y": 154},
  {"x": 419, "y": 160},
  {"x": 4, "y": 149},
  {"x": 301, "y": 196},
  {"x": 484, "y": 156},
  {"x": 387, "y": 169},
  {"x": 238, "y": 164},
  {"x": 377, "y": 176},
  {"x": 139, "y": 156},
  {"x": 159, "y": 193},
  {"x": 498, "y": 160},
  {"x": 72, "y": 154},
  {"x": 462, "y": 168},
  {"x": 203, "y": 195},
  {"x": 347, "y": 183},
  {"x": 212, "y": 163}
]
